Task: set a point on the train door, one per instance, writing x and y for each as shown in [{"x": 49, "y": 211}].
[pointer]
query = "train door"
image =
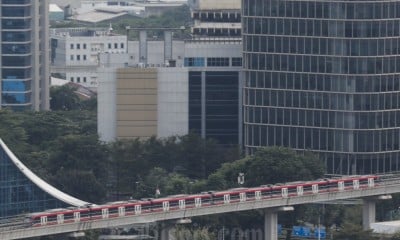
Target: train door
[
  {"x": 242, "y": 197},
  {"x": 227, "y": 198},
  {"x": 121, "y": 211},
  {"x": 43, "y": 220},
  {"x": 182, "y": 204},
  {"x": 60, "y": 218},
  {"x": 314, "y": 188},
  {"x": 257, "y": 195},
  {"x": 356, "y": 184},
  {"x": 197, "y": 202},
  {"x": 138, "y": 209},
  {"x": 104, "y": 213},
  {"x": 371, "y": 182},
  {"x": 284, "y": 192},
  {"x": 341, "y": 185},
  {"x": 300, "y": 190},
  {"x": 165, "y": 206},
  {"x": 77, "y": 216}
]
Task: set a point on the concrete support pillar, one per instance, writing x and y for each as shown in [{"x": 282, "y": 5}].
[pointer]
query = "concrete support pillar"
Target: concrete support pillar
[
  {"x": 368, "y": 213},
  {"x": 143, "y": 46},
  {"x": 270, "y": 225},
  {"x": 167, "y": 45},
  {"x": 165, "y": 232}
]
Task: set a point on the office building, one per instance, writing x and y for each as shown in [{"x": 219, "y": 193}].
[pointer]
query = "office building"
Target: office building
[
  {"x": 75, "y": 52},
  {"x": 324, "y": 76},
  {"x": 24, "y": 54},
  {"x": 216, "y": 19},
  {"x": 199, "y": 90}
]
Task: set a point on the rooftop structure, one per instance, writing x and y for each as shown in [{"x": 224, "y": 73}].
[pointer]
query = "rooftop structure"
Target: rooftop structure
[{"x": 216, "y": 18}]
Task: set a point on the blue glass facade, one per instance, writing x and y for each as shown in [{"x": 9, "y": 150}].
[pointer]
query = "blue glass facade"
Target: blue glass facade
[
  {"x": 324, "y": 76},
  {"x": 18, "y": 194},
  {"x": 24, "y": 42}
]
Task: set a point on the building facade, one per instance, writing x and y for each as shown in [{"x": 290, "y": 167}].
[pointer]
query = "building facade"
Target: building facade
[
  {"x": 75, "y": 53},
  {"x": 324, "y": 76},
  {"x": 24, "y": 54},
  {"x": 200, "y": 92}
]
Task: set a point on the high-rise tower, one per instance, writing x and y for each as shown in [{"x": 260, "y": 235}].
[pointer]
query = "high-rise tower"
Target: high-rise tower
[
  {"x": 324, "y": 76},
  {"x": 24, "y": 54}
]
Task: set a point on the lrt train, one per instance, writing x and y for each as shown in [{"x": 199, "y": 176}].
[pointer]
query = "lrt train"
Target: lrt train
[{"x": 206, "y": 199}]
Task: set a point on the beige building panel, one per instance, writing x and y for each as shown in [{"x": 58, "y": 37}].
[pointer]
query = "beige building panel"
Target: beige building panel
[
  {"x": 219, "y": 4},
  {"x": 137, "y": 83},
  {"x": 136, "y": 123},
  {"x": 137, "y": 107},
  {"x": 137, "y": 115},
  {"x": 136, "y": 131},
  {"x": 137, "y": 91},
  {"x": 137, "y": 99}
]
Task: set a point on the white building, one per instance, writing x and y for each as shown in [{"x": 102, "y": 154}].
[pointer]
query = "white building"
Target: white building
[
  {"x": 75, "y": 53},
  {"x": 200, "y": 92}
]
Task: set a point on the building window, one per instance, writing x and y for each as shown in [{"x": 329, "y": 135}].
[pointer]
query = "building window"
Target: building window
[
  {"x": 115, "y": 45},
  {"x": 84, "y": 57},
  {"x": 72, "y": 79},
  {"x": 217, "y": 62},
  {"x": 122, "y": 45},
  {"x": 71, "y": 57},
  {"x": 78, "y": 46},
  {"x": 109, "y": 46},
  {"x": 84, "y": 46},
  {"x": 71, "y": 46},
  {"x": 78, "y": 79},
  {"x": 84, "y": 79},
  {"x": 237, "y": 62},
  {"x": 78, "y": 57},
  {"x": 194, "y": 62}
]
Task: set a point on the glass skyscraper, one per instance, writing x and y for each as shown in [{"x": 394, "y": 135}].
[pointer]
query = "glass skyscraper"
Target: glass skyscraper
[
  {"x": 24, "y": 54},
  {"x": 324, "y": 76}
]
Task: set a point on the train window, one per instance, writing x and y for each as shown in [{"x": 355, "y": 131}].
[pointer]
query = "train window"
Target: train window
[
  {"x": 341, "y": 185},
  {"x": 165, "y": 206},
  {"x": 314, "y": 188},
  {"x": 43, "y": 220},
  {"x": 138, "y": 209},
  {"x": 356, "y": 184},
  {"x": 284, "y": 192},
  {"x": 371, "y": 182},
  {"x": 182, "y": 204},
  {"x": 257, "y": 195},
  {"x": 242, "y": 197},
  {"x": 77, "y": 216},
  {"x": 197, "y": 202},
  {"x": 227, "y": 198},
  {"x": 300, "y": 190}
]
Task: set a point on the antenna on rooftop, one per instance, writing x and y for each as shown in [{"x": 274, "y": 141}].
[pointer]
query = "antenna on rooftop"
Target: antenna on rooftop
[{"x": 110, "y": 29}]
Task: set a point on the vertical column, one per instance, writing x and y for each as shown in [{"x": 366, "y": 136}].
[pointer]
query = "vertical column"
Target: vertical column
[
  {"x": 368, "y": 213},
  {"x": 165, "y": 232},
  {"x": 270, "y": 225},
  {"x": 167, "y": 45},
  {"x": 203, "y": 104},
  {"x": 143, "y": 47}
]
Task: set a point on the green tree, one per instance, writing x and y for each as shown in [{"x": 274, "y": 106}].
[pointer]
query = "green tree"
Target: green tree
[
  {"x": 279, "y": 164},
  {"x": 64, "y": 98},
  {"x": 351, "y": 231}
]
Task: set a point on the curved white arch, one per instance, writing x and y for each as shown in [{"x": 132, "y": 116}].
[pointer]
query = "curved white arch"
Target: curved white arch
[{"x": 41, "y": 183}]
